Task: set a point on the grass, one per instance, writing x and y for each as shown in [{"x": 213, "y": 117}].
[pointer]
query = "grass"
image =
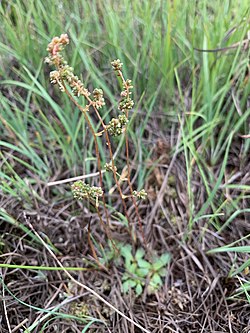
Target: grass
[
  {"x": 202, "y": 96},
  {"x": 54, "y": 312}
]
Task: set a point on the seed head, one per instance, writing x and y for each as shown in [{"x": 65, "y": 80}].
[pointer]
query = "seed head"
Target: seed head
[
  {"x": 81, "y": 190},
  {"x": 126, "y": 104},
  {"x": 117, "y": 65},
  {"x": 142, "y": 194},
  {"x": 98, "y": 98},
  {"x": 116, "y": 125},
  {"x": 109, "y": 167}
]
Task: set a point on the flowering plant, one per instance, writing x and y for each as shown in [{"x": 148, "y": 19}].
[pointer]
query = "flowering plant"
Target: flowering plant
[{"x": 63, "y": 76}]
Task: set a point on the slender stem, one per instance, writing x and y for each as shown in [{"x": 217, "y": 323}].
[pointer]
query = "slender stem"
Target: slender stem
[
  {"x": 128, "y": 165},
  {"x": 113, "y": 162},
  {"x": 96, "y": 147},
  {"x": 92, "y": 247},
  {"x": 106, "y": 229}
]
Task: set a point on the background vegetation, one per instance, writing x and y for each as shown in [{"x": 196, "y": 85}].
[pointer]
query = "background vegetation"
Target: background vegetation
[{"x": 192, "y": 109}]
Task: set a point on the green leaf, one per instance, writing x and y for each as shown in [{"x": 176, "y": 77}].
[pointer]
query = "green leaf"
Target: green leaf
[
  {"x": 125, "y": 276},
  {"x": 150, "y": 289},
  {"x": 162, "y": 272},
  {"x": 127, "y": 285},
  {"x": 165, "y": 258},
  {"x": 139, "y": 254},
  {"x": 132, "y": 268},
  {"x": 142, "y": 272},
  {"x": 162, "y": 261},
  {"x": 126, "y": 252},
  {"x": 132, "y": 283},
  {"x": 128, "y": 263},
  {"x": 138, "y": 289},
  {"x": 156, "y": 280},
  {"x": 144, "y": 264}
]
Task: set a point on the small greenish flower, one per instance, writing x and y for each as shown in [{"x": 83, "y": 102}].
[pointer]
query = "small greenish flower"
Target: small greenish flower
[
  {"x": 124, "y": 93},
  {"x": 123, "y": 119},
  {"x": 77, "y": 87},
  {"x": 67, "y": 72},
  {"x": 55, "y": 78},
  {"x": 142, "y": 194},
  {"x": 126, "y": 104},
  {"x": 117, "y": 64},
  {"x": 98, "y": 98},
  {"x": 116, "y": 125},
  {"x": 109, "y": 167},
  {"x": 97, "y": 93},
  {"x": 128, "y": 84},
  {"x": 82, "y": 190}
]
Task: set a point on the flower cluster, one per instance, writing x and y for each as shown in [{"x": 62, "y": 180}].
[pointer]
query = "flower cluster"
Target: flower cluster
[
  {"x": 77, "y": 87},
  {"x": 126, "y": 104},
  {"x": 57, "y": 45},
  {"x": 127, "y": 85},
  {"x": 98, "y": 100},
  {"x": 109, "y": 167},
  {"x": 63, "y": 71},
  {"x": 142, "y": 194},
  {"x": 55, "y": 78},
  {"x": 116, "y": 125},
  {"x": 117, "y": 65},
  {"x": 82, "y": 190}
]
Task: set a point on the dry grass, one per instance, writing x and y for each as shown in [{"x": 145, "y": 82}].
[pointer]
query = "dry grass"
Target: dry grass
[
  {"x": 197, "y": 290},
  {"x": 189, "y": 144}
]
